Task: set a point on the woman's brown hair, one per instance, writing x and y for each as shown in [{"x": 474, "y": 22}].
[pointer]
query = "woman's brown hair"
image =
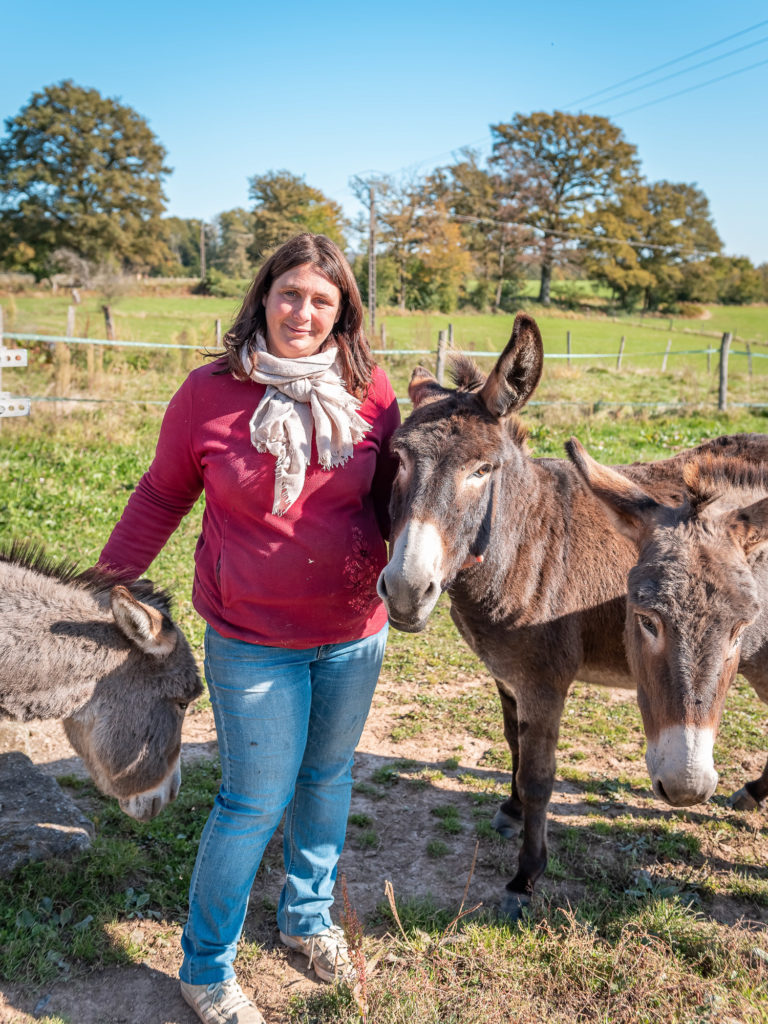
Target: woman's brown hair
[{"x": 348, "y": 333}]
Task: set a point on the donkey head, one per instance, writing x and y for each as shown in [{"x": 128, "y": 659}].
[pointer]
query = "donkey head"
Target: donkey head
[
  {"x": 129, "y": 732},
  {"x": 690, "y": 597},
  {"x": 451, "y": 449}
]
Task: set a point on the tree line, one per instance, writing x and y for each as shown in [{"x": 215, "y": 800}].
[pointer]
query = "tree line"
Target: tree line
[{"x": 560, "y": 197}]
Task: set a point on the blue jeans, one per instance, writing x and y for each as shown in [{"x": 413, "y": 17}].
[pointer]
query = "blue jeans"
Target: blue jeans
[{"x": 288, "y": 722}]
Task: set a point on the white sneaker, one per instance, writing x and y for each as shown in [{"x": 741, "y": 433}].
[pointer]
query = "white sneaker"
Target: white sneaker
[
  {"x": 327, "y": 952},
  {"x": 223, "y": 1002}
]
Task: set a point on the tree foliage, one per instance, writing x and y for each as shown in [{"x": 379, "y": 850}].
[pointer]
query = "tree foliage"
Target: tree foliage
[
  {"x": 422, "y": 247},
  {"x": 565, "y": 164},
  {"x": 654, "y": 244},
  {"x": 80, "y": 172},
  {"x": 491, "y": 226},
  {"x": 284, "y": 205},
  {"x": 233, "y": 232},
  {"x": 183, "y": 240}
]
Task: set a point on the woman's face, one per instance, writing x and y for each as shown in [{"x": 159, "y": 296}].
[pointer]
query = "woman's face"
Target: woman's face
[{"x": 301, "y": 308}]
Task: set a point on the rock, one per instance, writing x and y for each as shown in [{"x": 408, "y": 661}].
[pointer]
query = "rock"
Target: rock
[{"x": 37, "y": 819}]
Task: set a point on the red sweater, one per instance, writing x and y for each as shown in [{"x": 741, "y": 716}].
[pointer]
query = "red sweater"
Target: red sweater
[{"x": 298, "y": 580}]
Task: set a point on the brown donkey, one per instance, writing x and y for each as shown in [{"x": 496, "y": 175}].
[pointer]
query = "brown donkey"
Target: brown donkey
[
  {"x": 697, "y": 610},
  {"x": 533, "y": 563},
  {"x": 107, "y": 659}
]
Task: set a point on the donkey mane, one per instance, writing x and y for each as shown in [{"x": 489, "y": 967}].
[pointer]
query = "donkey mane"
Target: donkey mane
[
  {"x": 465, "y": 373},
  {"x": 96, "y": 580},
  {"x": 712, "y": 476}
]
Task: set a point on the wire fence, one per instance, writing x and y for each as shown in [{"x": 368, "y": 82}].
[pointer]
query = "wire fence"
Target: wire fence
[{"x": 17, "y": 406}]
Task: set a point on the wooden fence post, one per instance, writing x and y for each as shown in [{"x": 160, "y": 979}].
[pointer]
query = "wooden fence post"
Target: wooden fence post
[
  {"x": 725, "y": 344},
  {"x": 383, "y": 335},
  {"x": 749, "y": 358},
  {"x": 450, "y": 335},
  {"x": 218, "y": 334},
  {"x": 442, "y": 338},
  {"x": 666, "y": 353},
  {"x": 568, "y": 347},
  {"x": 62, "y": 358},
  {"x": 621, "y": 353},
  {"x": 109, "y": 322}
]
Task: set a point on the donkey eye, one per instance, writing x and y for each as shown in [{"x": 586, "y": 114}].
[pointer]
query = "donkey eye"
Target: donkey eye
[
  {"x": 182, "y": 705},
  {"x": 647, "y": 623},
  {"x": 482, "y": 471}
]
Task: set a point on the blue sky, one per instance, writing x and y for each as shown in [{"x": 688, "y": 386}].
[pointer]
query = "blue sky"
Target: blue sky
[{"x": 329, "y": 91}]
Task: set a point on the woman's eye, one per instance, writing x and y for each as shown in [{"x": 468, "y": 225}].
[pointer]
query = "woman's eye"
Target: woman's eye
[
  {"x": 648, "y": 625},
  {"x": 482, "y": 471}
]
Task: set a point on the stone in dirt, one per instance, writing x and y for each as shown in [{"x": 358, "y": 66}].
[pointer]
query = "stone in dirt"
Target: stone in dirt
[{"x": 37, "y": 819}]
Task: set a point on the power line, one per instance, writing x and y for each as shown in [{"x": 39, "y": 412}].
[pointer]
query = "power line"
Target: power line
[
  {"x": 626, "y": 81},
  {"x": 667, "y": 64},
  {"x": 691, "y": 88},
  {"x": 686, "y": 71}
]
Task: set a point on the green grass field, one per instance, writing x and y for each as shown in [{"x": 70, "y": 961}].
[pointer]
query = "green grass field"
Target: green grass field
[
  {"x": 593, "y": 378},
  {"x": 646, "y": 914}
]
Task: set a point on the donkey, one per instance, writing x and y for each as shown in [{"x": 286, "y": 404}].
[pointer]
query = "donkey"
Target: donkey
[
  {"x": 697, "y": 610},
  {"x": 104, "y": 657},
  {"x": 535, "y": 568}
]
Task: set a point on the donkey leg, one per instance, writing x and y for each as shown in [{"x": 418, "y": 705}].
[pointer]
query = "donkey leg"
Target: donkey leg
[
  {"x": 508, "y": 817},
  {"x": 538, "y": 729},
  {"x": 752, "y": 794}
]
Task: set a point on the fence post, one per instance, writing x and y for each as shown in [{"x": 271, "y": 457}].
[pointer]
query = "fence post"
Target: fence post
[
  {"x": 666, "y": 353},
  {"x": 442, "y": 337},
  {"x": 218, "y": 334},
  {"x": 749, "y": 358},
  {"x": 383, "y": 335},
  {"x": 450, "y": 335},
  {"x": 621, "y": 353},
  {"x": 62, "y": 358},
  {"x": 725, "y": 344},
  {"x": 568, "y": 347}
]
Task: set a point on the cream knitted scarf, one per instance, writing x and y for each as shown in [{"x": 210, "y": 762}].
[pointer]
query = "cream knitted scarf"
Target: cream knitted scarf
[{"x": 301, "y": 394}]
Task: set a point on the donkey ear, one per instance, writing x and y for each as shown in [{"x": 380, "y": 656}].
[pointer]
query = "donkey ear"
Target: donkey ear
[
  {"x": 142, "y": 624},
  {"x": 424, "y": 388},
  {"x": 749, "y": 526},
  {"x": 632, "y": 511},
  {"x": 513, "y": 379}
]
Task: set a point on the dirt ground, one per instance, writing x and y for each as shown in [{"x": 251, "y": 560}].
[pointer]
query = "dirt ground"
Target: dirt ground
[{"x": 403, "y": 825}]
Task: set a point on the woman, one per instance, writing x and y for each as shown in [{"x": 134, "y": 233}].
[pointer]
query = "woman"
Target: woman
[{"x": 288, "y": 436}]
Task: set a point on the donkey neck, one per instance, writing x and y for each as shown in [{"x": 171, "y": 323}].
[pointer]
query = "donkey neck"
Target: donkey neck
[{"x": 542, "y": 560}]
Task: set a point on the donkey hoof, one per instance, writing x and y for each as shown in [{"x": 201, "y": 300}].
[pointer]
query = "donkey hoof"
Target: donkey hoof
[
  {"x": 513, "y": 907},
  {"x": 742, "y": 800},
  {"x": 505, "y": 825}
]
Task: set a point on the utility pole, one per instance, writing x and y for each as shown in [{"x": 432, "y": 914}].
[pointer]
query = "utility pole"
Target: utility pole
[
  {"x": 372, "y": 262},
  {"x": 202, "y": 250}
]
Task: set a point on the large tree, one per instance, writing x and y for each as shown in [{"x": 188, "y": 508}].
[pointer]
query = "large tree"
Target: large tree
[
  {"x": 680, "y": 235},
  {"x": 566, "y": 163},
  {"x": 284, "y": 205},
  {"x": 84, "y": 173},
  {"x": 654, "y": 242}
]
